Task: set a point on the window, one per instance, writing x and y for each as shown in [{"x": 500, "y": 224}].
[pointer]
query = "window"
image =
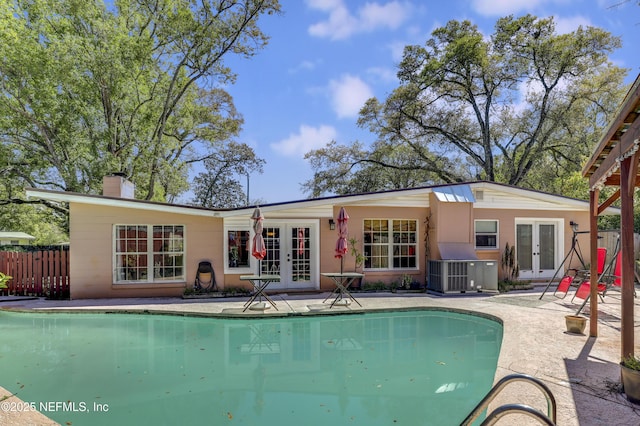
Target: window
[
  {"x": 237, "y": 248},
  {"x": 149, "y": 253},
  {"x": 486, "y": 232},
  {"x": 390, "y": 244}
]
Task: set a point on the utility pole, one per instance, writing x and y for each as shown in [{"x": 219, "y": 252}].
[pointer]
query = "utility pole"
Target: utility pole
[{"x": 247, "y": 173}]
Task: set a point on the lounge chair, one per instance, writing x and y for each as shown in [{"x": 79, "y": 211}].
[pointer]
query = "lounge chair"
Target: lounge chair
[
  {"x": 606, "y": 279},
  {"x": 205, "y": 277},
  {"x": 578, "y": 277},
  {"x": 584, "y": 288}
]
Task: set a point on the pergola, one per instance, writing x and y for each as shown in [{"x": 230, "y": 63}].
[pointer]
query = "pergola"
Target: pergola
[{"x": 615, "y": 163}]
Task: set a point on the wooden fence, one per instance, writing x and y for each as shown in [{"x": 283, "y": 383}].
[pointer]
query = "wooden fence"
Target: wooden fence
[{"x": 37, "y": 273}]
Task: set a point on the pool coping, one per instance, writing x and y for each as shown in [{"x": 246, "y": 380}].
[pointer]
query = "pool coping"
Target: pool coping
[{"x": 580, "y": 370}]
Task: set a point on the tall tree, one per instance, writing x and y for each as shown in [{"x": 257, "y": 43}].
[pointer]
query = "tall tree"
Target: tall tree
[
  {"x": 217, "y": 185},
  {"x": 134, "y": 86},
  {"x": 491, "y": 108}
]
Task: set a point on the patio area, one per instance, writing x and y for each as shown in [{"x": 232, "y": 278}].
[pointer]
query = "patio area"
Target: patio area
[{"x": 582, "y": 372}]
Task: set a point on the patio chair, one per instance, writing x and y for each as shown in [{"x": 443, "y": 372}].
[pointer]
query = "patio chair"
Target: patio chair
[
  {"x": 205, "y": 277},
  {"x": 605, "y": 280},
  {"x": 614, "y": 282},
  {"x": 584, "y": 288},
  {"x": 579, "y": 276}
]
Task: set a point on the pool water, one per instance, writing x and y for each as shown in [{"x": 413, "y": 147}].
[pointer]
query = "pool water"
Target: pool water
[{"x": 406, "y": 368}]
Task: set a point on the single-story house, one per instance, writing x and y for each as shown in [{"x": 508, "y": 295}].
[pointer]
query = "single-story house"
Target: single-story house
[
  {"x": 123, "y": 247},
  {"x": 14, "y": 238}
]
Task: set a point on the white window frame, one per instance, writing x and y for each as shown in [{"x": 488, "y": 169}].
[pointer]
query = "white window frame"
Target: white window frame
[
  {"x": 235, "y": 228},
  {"x": 475, "y": 234},
  {"x": 150, "y": 254},
  {"x": 390, "y": 243}
]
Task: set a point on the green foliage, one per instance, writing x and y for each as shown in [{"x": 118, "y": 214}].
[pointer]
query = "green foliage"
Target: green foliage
[
  {"x": 4, "y": 279},
  {"x": 505, "y": 286},
  {"x": 216, "y": 186},
  {"x": 523, "y": 106},
  {"x": 133, "y": 87},
  {"x": 354, "y": 251},
  {"x": 375, "y": 286},
  {"x": 631, "y": 362}
]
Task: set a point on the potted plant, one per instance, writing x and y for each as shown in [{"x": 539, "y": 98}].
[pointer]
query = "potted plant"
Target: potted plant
[
  {"x": 359, "y": 260},
  {"x": 575, "y": 323},
  {"x": 630, "y": 372}
]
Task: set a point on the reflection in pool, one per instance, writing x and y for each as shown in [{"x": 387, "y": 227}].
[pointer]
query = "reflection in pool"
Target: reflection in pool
[{"x": 413, "y": 368}]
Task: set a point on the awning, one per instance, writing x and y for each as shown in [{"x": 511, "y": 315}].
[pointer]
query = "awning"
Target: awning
[{"x": 454, "y": 194}]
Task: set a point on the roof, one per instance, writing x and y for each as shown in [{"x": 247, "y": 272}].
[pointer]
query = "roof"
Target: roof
[
  {"x": 620, "y": 141},
  {"x": 484, "y": 195},
  {"x": 16, "y": 235}
]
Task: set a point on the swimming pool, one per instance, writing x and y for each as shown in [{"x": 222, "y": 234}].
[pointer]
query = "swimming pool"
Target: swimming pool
[{"x": 413, "y": 367}]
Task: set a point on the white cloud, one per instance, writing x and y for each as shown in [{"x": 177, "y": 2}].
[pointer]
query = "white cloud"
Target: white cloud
[
  {"x": 567, "y": 25},
  {"x": 305, "y": 65},
  {"x": 341, "y": 23},
  {"x": 348, "y": 95},
  {"x": 503, "y": 7},
  {"x": 307, "y": 138},
  {"x": 385, "y": 75}
]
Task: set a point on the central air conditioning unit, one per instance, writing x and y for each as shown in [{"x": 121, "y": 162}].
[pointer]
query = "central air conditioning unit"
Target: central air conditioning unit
[{"x": 461, "y": 276}]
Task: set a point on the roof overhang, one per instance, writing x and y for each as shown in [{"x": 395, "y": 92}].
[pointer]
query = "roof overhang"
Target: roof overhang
[
  {"x": 99, "y": 200},
  {"x": 620, "y": 141}
]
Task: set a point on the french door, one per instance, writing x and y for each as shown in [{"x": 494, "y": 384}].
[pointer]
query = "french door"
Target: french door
[
  {"x": 537, "y": 248},
  {"x": 292, "y": 252}
]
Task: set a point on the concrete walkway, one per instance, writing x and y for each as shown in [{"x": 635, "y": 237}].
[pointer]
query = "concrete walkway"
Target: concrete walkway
[{"x": 582, "y": 372}]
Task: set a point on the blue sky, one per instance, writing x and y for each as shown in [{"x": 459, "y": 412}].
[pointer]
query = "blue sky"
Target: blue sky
[{"x": 327, "y": 57}]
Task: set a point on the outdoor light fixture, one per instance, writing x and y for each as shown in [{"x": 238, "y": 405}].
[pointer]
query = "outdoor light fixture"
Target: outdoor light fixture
[
  {"x": 574, "y": 226},
  {"x": 332, "y": 224}
]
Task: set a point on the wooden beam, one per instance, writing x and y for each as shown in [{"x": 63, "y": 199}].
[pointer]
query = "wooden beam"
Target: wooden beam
[
  {"x": 614, "y": 197},
  {"x": 627, "y": 252},
  {"x": 610, "y": 162},
  {"x": 628, "y": 106},
  {"x": 633, "y": 174}
]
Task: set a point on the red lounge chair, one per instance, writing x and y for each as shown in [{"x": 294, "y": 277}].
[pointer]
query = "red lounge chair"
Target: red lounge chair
[{"x": 580, "y": 277}]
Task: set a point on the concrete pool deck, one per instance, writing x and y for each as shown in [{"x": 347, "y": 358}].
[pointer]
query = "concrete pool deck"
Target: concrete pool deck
[{"x": 582, "y": 372}]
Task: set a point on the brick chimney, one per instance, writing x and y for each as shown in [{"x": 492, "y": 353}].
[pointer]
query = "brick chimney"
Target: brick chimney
[{"x": 117, "y": 185}]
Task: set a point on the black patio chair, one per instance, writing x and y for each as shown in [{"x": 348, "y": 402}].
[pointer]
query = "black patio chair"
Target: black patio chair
[{"x": 205, "y": 277}]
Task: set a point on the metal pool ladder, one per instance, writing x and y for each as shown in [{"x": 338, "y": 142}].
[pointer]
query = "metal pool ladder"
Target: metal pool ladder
[{"x": 492, "y": 417}]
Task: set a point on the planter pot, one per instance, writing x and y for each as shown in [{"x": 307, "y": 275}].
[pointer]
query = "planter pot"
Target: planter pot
[
  {"x": 631, "y": 384},
  {"x": 575, "y": 323}
]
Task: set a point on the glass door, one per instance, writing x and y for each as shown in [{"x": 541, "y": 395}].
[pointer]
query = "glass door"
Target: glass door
[
  {"x": 291, "y": 253},
  {"x": 537, "y": 249}
]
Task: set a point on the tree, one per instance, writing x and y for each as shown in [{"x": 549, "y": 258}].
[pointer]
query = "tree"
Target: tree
[
  {"x": 88, "y": 89},
  {"x": 216, "y": 187},
  {"x": 470, "y": 107}
]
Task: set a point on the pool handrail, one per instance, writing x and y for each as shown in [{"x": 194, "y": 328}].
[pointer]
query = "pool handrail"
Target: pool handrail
[{"x": 495, "y": 415}]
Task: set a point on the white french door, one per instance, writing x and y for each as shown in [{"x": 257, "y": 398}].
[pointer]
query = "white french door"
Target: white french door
[
  {"x": 538, "y": 247},
  {"x": 292, "y": 252}
]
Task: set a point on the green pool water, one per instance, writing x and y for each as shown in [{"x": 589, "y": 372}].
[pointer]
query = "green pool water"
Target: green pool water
[{"x": 404, "y": 368}]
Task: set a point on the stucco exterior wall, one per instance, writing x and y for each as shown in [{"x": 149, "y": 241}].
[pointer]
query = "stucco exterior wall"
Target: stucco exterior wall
[
  {"x": 91, "y": 253},
  {"x": 91, "y": 232},
  {"x": 357, "y": 215},
  {"x": 507, "y": 232}
]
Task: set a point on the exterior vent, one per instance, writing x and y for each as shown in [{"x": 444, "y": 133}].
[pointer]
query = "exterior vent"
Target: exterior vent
[
  {"x": 479, "y": 194},
  {"x": 461, "y": 276}
]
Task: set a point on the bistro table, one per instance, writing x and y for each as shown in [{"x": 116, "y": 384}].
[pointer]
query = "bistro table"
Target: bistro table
[
  {"x": 260, "y": 283},
  {"x": 342, "y": 280}
]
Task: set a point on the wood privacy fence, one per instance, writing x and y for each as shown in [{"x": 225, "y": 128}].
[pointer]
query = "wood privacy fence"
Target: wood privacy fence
[{"x": 42, "y": 273}]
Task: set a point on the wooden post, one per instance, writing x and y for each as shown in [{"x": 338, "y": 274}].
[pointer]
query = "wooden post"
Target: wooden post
[
  {"x": 626, "y": 251},
  {"x": 594, "y": 196}
]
